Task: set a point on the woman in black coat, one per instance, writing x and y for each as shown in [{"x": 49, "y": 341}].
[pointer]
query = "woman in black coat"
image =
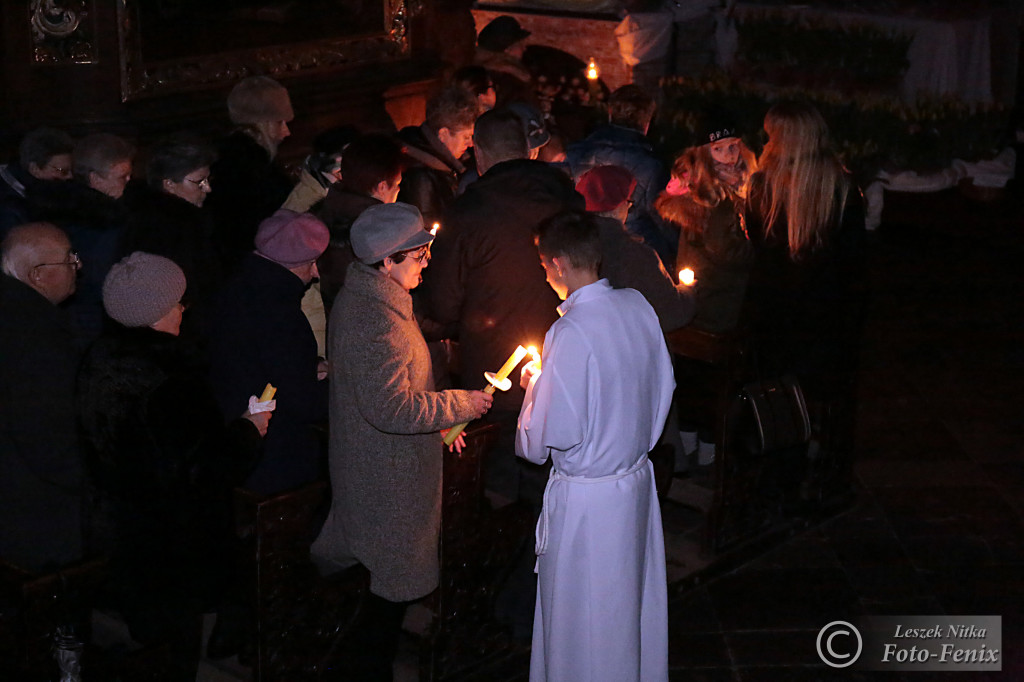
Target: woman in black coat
[
  {"x": 163, "y": 457},
  {"x": 805, "y": 219}
]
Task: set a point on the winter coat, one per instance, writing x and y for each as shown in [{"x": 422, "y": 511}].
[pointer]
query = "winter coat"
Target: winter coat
[
  {"x": 14, "y": 207},
  {"x": 486, "y": 274},
  {"x": 615, "y": 145},
  {"x": 713, "y": 244},
  {"x": 806, "y": 311},
  {"x": 247, "y": 187},
  {"x": 385, "y": 449},
  {"x": 339, "y": 210},
  {"x": 429, "y": 183},
  {"x": 95, "y": 224},
  {"x": 169, "y": 226},
  {"x": 41, "y": 472},
  {"x": 167, "y": 462},
  {"x": 628, "y": 263},
  {"x": 258, "y": 335}
]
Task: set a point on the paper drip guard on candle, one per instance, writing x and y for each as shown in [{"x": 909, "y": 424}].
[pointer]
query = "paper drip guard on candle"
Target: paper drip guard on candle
[{"x": 498, "y": 380}]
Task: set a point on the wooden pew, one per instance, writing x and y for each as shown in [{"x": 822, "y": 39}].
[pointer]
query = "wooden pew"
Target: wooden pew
[{"x": 33, "y": 606}]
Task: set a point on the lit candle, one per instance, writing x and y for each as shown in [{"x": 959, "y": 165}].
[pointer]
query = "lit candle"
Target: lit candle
[
  {"x": 534, "y": 355},
  {"x": 510, "y": 364},
  {"x": 434, "y": 229},
  {"x": 592, "y": 73},
  {"x": 686, "y": 277},
  {"x": 493, "y": 384},
  {"x": 268, "y": 393}
]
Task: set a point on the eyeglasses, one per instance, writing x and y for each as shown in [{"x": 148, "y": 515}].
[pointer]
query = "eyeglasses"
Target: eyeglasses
[
  {"x": 72, "y": 260},
  {"x": 205, "y": 182},
  {"x": 422, "y": 255}
]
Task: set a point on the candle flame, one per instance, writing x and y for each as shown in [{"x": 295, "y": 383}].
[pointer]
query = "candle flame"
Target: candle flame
[
  {"x": 534, "y": 355},
  {"x": 434, "y": 229},
  {"x": 686, "y": 277},
  {"x": 592, "y": 72}
]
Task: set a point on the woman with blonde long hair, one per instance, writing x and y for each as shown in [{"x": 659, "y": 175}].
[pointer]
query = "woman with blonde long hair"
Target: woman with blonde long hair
[
  {"x": 802, "y": 189},
  {"x": 805, "y": 219}
]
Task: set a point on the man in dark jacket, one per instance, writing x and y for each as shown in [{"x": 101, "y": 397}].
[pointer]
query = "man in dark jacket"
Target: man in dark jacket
[
  {"x": 435, "y": 148},
  {"x": 623, "y": 142},
  {"x": 485, "y": 275},
  {"x": 259, "y": 335},
  {"x": 371, "y": 172},
  {"x": 41, "y": 476}
]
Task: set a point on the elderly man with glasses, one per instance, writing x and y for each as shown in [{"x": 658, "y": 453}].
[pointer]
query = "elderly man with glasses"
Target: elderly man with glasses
[{"x": 41, "y": 473}]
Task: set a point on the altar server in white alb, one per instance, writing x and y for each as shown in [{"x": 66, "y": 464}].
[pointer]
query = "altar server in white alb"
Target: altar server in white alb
[{"x": 596, "y": 407}]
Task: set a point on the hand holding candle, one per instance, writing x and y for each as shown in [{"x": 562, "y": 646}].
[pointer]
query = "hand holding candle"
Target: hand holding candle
[
  {"x": 496, "y": 380},
  {"x": 531, "y": 368}
]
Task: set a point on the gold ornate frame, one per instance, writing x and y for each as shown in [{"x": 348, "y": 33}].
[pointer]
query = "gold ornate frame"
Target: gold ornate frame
[{"x": 141, "y": 78}]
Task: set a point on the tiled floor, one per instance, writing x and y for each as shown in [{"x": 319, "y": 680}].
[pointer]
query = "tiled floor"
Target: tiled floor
[{"x": 938, "y": 523}]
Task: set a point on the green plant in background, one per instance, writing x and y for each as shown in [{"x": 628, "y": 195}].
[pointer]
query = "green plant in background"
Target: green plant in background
[
  {"x": 819, "y": 53},
  {"x": 870, "y": 130}
]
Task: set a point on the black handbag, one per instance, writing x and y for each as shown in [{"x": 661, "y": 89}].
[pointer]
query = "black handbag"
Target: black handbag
[{"x": 779, "y": 413}]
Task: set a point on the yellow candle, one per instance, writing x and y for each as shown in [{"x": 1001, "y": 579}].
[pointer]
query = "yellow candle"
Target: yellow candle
[
  {"x": 686, "y": 277},
  {"x": 511, "y": 363},
  {"x": 268, "y": 393},
  {"x": 502, "y": 374}
]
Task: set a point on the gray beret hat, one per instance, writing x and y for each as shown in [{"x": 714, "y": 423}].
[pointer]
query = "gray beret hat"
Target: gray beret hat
[
  {"x": 142, "y": 288},
  {"x": 385, "y": 229}
]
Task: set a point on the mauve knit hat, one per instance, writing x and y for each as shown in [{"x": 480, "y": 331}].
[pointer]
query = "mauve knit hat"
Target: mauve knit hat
[
  {"x": 256, "y": 99},
  {"x": 142, "y": 288},
  {"x": 291, "y": 239}
]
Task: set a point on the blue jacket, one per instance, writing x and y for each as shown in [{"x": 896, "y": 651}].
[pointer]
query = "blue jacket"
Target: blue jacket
[{"x": 615, "y": 145}]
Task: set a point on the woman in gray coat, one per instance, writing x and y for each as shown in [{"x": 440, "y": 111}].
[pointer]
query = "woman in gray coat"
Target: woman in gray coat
[{"x": 386, "y": 419}]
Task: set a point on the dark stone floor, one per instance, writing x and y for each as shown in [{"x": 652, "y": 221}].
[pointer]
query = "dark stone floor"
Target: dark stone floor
[{"x": 938, "y": 523}]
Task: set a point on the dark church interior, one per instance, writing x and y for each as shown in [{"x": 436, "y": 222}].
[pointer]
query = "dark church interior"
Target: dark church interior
[{"x": 904, "y": 498}]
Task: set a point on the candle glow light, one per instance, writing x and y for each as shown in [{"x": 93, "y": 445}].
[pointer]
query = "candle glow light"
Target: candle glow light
[
  {"x": 592, "y": 73},
  {"x": 534, "y": 355},
  {"x": 686, "y": 277},
  {"x": 494, "y": 382},
  {"x": 434, "y": 229}
]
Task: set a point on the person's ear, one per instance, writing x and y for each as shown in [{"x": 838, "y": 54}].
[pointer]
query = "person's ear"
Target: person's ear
[
  {"x": 167, "y": 184},
  {"x": 557, "y": 262}
]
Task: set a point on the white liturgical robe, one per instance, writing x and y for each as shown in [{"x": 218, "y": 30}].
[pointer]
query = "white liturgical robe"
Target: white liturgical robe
[{"x": 596, "y": 409}]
